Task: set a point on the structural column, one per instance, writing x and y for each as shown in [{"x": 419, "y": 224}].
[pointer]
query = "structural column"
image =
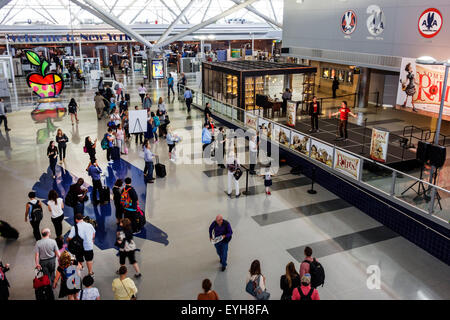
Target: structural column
[{"x": 363, "y": 88}]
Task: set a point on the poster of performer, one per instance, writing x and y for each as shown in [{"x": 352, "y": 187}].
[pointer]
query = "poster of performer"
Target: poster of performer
[
  {"x": 284, "y": 136},
  {"x": 291, "y": 113},
  {"x": 420, "y": 87},
  {"x": 322, "y": 152},
  {"x": 300, "y": 143},
  {"x": 379, "y": 144},
  {"x": 251, "y": 120}
]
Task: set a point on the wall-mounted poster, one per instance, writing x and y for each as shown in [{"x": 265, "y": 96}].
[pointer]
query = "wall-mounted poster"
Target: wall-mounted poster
[
  {"x": 300, "y": 143},
  {"x": 325, "y": 73},
  {"x": 346, "y": 163},
  {"x": 157, "y": 69},
  {"x": 420, "y": 87},
  {"x": 291, "y": 113},
  {"x": 251, "y": 120},
  {"x": 265, "y": 128},
  {"x": 349, "y": 77},
  {"x": 379, "y": 144},
  {"x": 284, "y": 136},
  {"x": 322, "y": 152}
]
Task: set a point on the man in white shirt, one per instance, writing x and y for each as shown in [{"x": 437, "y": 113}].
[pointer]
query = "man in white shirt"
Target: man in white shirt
[
  {"x": 253, "y": 148},
  {"x": 3, "y": 115},
  {"x": 87, "y": 232},
  {"x": 45, "y": 253}
]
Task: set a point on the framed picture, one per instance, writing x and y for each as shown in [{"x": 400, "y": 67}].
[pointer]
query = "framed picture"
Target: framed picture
[
  {"x": 350, "y": 76},
  {"x": 341, "y": 75}
]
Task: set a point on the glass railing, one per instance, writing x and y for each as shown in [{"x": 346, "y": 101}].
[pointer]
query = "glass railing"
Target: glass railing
[{"x": 392, "y": 184}]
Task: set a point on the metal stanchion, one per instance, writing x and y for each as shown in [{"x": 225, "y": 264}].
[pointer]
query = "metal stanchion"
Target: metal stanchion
[{"x": 313, "y": 177}]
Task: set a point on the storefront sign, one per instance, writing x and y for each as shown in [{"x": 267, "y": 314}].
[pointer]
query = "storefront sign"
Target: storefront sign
[
  {"x": 430, "y": 23},
  {"x": 379, "y": 144},
  {"x": 375, "y": 21},
  {"x": 424, "y": 90},
  {"x": 157, "y": 69},
  {"x": 291, "y": 113},
  {"x": 348, "y": 22},
  {"x": 30, "y": 38},
  {"x": 346, "y": 163},
  {"x": 300, "y": 143},
  {"x": 235, "y": 53},
  {"x": 251, "y": 120},
  {"x": 322, "y": 152}
]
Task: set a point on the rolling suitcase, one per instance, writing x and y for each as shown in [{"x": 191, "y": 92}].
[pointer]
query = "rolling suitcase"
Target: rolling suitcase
[
  {"x": 115, "y": 153},
  {"x": 105, "y": 192},
  {"x": 42, "y": 286},
  {"x": 8, "y": 232},
  {"x": 160, "y": 169}
]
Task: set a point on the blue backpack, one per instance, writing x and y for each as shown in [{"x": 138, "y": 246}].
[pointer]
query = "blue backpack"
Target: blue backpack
[{"x": 157, "y": 122}]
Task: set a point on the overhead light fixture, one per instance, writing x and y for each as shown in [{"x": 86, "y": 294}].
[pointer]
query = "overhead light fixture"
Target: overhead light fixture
[
  {"x": 299, "y": 1},
  {"x": 211, "y": 36},
  {"x": 426, "y": 60}
]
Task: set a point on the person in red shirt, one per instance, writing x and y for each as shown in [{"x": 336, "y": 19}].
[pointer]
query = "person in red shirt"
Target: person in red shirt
[
  {"x": 314, "y": 112},
  {"x": 343, "y": 113},
  {"x": 305, "y": 292}
]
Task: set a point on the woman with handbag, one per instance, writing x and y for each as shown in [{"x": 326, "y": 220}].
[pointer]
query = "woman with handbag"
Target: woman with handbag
[
  {"x": 234, "y": 171},
  {"x": 258, "y": 282},
  {"x": 68, "y": 273},
  {"x": 124, "y": 287},
  {"x": 52, "y": 154},
  {"x": 126, "y": 245}
]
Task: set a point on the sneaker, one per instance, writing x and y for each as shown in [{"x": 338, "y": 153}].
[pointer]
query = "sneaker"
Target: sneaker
[
  {"x": 238, "y": 195},
  {"x": 223, "y": 268},
  {"x": 138, "y": 275},
  {"x": 8, "y": 129}
]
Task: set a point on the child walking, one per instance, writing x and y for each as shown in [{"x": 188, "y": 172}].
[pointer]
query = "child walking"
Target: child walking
[{"x": 267, "y": 180}]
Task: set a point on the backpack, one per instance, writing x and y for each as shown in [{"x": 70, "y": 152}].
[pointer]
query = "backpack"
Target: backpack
[
  {"x": 308, "y": 296},
  {"x": 157, "y": 122},
  {"x": 75, "y": 246},
  {"x": 255, "y": 290},
  {"x": 70, "y": 199},
  {"x": 116, "y": 87},
  {"x": 317, "y": 273},
  {"x": 125, "y": 199},
  {"x": 36, "y": 212},
  {"x": 105, "y": 143}
]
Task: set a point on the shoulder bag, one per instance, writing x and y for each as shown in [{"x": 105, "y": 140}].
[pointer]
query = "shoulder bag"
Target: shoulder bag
[{"x": 133, "y": 297}]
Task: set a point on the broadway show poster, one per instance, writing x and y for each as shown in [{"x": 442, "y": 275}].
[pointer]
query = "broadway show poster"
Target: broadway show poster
[
  {"x": 157, "y": 69},
  {"x": 379, "y": 144},
  {"x": 322, "y": 152},
  {"x": 346, "y": 163},
  {"x": 251, "y": 120},
  {"x": 300, "y": 143},
  {"x": 291, "y": 113},
  {"x": 284, "y": 136},
  {"x": 265, "y": 128},
  {"x": 421, "y": 85}
]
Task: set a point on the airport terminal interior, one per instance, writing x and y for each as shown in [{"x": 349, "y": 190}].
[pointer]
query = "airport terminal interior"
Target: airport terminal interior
[{"x": 366, "y": 187}]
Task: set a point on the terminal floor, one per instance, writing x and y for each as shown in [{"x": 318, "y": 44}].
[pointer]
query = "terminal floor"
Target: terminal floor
[{"x": 175, "y": 254}]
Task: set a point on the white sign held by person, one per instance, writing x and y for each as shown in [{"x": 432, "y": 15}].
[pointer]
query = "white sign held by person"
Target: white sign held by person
[{"x": 137, "y": 121}]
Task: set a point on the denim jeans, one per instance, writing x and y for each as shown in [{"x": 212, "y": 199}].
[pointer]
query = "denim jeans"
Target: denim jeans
[
  {"x": 79, "y": 208},
  {"x": 148, "y": 169},
  {"x": 222, "y": 252}
]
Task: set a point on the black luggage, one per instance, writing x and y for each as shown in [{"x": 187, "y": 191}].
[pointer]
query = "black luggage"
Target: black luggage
[
  {"x": 8, "y": 232},
  {"x": 160, "y": 170},
  {"x": 105, "y": 195},
  {"x": 140, "y": 219},
  {"x": 115, "y": 153},
  {"x": 44, "y": 293}
]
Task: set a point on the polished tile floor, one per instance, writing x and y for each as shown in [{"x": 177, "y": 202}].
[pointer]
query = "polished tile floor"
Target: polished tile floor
[{"x": 175, "y": 254}]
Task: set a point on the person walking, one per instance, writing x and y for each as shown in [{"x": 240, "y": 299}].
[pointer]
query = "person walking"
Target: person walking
[
  {"x": 232, "y": 166},
  {"x": 67, "y": 273},
  {"x": 253, "y": 150},
  {"x": 220, "y": 150},
  {"x": 142, "y": 91},
  {"x": 124, "y": 287},
  {"x": 119, "y": 90},
  {"x": 170, "y": 85},
  {"x": 120, "y": 138},
  {"x": 255, "y": 275},
  {"x": 94, "y": 171},
  {"x": 4, "y": 283},
  {"x": 147, "y": 102},
  {"x": 129, "y": 202},
  {"x": 123, "y": 105},
  {"x": 148, "y": 135},
  {"x": 111, "y": 70},
  {"x": 78, "y": 193},
  {"x": 188, "y": 99},
  {"x": 171, "y": 139},
  {"x": 127, "y": 246},
  {"x": 62, "y": 140},
  {"x": 73, "y": 110},
  {"x": 117, "y": 193},
  {"x": 207, "y": 293},
  {"x": 286, "y": 96},
  {"x": 314, "y": 112},
  {"x": 206, "y": 139},
  {"x": 305, "y": 292},
  {"x": 335, "y": 86},
  {"x": 90, "y": 146},
  {"x": 115, "y": 117},
  {"x": 88, "y": 292},
  {"x": 289, "y": 281},
  {"x": 55, "y": 206},
  {"x": 101, "y": 86},
  {"x": 221, "y": 228},
  {"x": 99, "y": 105},
  {"x": 148, "y": 158},
  {"x": 45, "y": 253},
  {"x": 52, "y": 154},
  {"x": 343, "y": 113},
  {"x": 267, "y": 179},
  {"x": 161, "y": 106},
  {"x": 3, "y": 117},
  {"x": 87, "y": 232}
]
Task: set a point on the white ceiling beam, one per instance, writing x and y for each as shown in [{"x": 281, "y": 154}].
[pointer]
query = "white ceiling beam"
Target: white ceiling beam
[
  {"x": 174, "y": 22},
  {"x": 137, "y": 15},
  {"x": 261, "y": 15},
  {"x": 207, "y": 8}
]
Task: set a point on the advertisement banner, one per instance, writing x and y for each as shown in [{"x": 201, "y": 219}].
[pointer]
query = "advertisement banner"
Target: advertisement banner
[
  {"x": 251, "y": 120},
  {"x": 421, "y": 87},
  {"x": 300, "y": 143},
  {"x": 322, "y": 152},
  {"x": 157, "y": 69},
  {"x": 291, "y": 113},
  {"x": 379, "y": 144},
  {"x": 346, "y": 163},
  {"x": 284, "y": 136}
]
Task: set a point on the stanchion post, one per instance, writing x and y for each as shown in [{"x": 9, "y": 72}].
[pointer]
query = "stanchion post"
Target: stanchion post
[
  {"x": 364, "y": 136},
  {"x": 313, "y": 177}
]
